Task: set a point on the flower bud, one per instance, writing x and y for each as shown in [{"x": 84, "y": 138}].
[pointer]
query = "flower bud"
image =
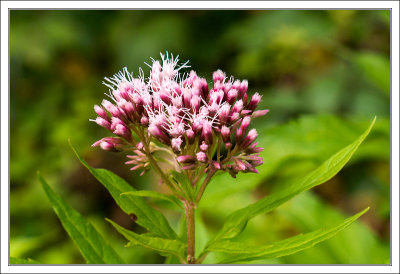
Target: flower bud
[
  {"x": 185, "y": 159},
  {"x": 140, "y": 146},
  {"x": 254, "y": 101},
  {"x": 195, "y": 103},
  {"x": 116, "y": 121},
  {"x": 243, "y": 88},
  {"x": 108, "y": 146},
  {"x": 245, "y": 123},
  {"x": 190, "y": 135},
  {"x": 128, "y": 108},
  {"x": 123, "y": 131},
  {"x": 201, "y": 157},
  {"x": 176, "y": 144},
  {"x": 144, "y": 121},
  {"x": 203, "y": 146},
  {"x": 103, "y": 122},
  {"x": 238, "y": 106},
  {"x": 249, "y": 138},
  {"x": 239, "y": 165},
  {"x": 158, "y": 134},
  {"x": 236, "y": 84},
  {"x": 232, "y": 94},
  {"x": 101, "y": 112},
  {"x": 207, "y": 132},
  {"x": 226, "y": 134},
  {"x": 234, "y": 117},
  {"x": 111, "y": 108},
  {"x": 224, "y": 113},
  {"x": 259, "y": 113},
  {"x": 218, "y": 76}
]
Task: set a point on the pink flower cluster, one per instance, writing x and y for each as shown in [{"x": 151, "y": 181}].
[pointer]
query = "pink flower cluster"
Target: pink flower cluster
[{"x": 201, "y": 126}]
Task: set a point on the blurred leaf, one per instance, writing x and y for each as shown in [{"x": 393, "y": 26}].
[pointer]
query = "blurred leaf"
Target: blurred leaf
[
  {"x": 174, "y": 247},
  {"x": 237, "y": 220},
  {"x": 89, "y": 241},
  {"x": 355, "y": 245},
  {"x": 22, "y": 261},
  {"x": 147, "y": 216},
  {"x": 155, "y": 195},
  {"x": 243, "y": 252},
  {"x": 376, "y": 68}
]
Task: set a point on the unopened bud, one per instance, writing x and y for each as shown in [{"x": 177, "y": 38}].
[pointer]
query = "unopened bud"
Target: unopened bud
[
  {"x": 190, "y": 135},
  {"x": 185, "y": 159},
  {"x": 259, "y": 113},
  {"x": 203, "y": 146},
  {"x": 249, "y": 138},
  {"x": 176, "y": 144},
  {"x": 254, "y": 101},
  {"x": 218, "y": 76},
  {"x": 103, "y": 122},
  {"x": 101, "y": 112},
  {"x": 201, "y": 157},
  {"x": 226, "y": 134}
]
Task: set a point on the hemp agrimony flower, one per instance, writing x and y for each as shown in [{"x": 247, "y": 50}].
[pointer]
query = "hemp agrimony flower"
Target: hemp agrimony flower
[
  {"x": 201, "y": 129},
  {"x": 173, "y": 122},
  {"x": 198, "y": 130}
]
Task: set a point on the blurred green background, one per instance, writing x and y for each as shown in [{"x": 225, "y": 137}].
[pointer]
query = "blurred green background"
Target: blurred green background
[{"x": 324, "y": 75}]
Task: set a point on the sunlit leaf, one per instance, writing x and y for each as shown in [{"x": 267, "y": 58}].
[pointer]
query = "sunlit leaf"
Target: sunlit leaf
[
  {"x": 355, "y": 245},
  {"x": 237, "y": 220},
  {"x": 161, "y": 245},
  {"x": 91, "y": 244},
  {"x": 146, "y": 216},
  {"x": 242, "y": 252}
]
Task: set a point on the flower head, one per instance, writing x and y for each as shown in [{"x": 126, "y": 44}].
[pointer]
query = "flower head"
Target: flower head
[{"x": 201, "y": 127}]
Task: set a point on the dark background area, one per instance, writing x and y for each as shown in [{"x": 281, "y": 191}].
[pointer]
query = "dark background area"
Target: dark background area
[{"x": 324, "y": 75}]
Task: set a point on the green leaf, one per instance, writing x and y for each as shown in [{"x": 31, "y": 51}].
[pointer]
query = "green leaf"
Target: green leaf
[
  {"x": 161, "y": 245},
  {"x": 376, "y": 68},
  {"x": 237, "y": 220},
  {"x": 146, "y": 216},
  {"x": 309, "y": 139},
  {"x": 91, "y": 244},
  {"x": 156, "y": 195},
  {"x": 242, "y": 252},
  {"x": 22, "y": 261},
  {"x": 184, "y": 182},
  {"x": 358, "y": 244}
]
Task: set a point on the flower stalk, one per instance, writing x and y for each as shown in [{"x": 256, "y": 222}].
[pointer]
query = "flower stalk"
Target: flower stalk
[{"x": 190, "y": 229}]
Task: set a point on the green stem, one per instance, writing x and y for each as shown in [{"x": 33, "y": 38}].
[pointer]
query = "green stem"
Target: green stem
[
  {"x": 190, "y": 226},
  {"x": 153, "y": 162}
]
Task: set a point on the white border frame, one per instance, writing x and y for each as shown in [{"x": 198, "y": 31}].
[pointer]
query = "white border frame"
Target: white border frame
[{"x": 6, "y": 5}]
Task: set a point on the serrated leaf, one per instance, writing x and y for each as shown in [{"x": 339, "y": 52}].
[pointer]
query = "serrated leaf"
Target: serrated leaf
[
  {"x": 155, "y": 195},
  {"x": 242, "y": 252},
  {"x": 237, "y": 220},
  {"x": 93, "y": 247},
  {"x": 146, "y": 216},
  {"x": 22, "y": 261},
  {"x": 161, "y": 245}
]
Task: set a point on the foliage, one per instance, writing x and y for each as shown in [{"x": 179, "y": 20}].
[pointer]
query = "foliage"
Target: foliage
[
  {"x": 163, "y": 241},
  {"x": 322, "y": 74}
]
